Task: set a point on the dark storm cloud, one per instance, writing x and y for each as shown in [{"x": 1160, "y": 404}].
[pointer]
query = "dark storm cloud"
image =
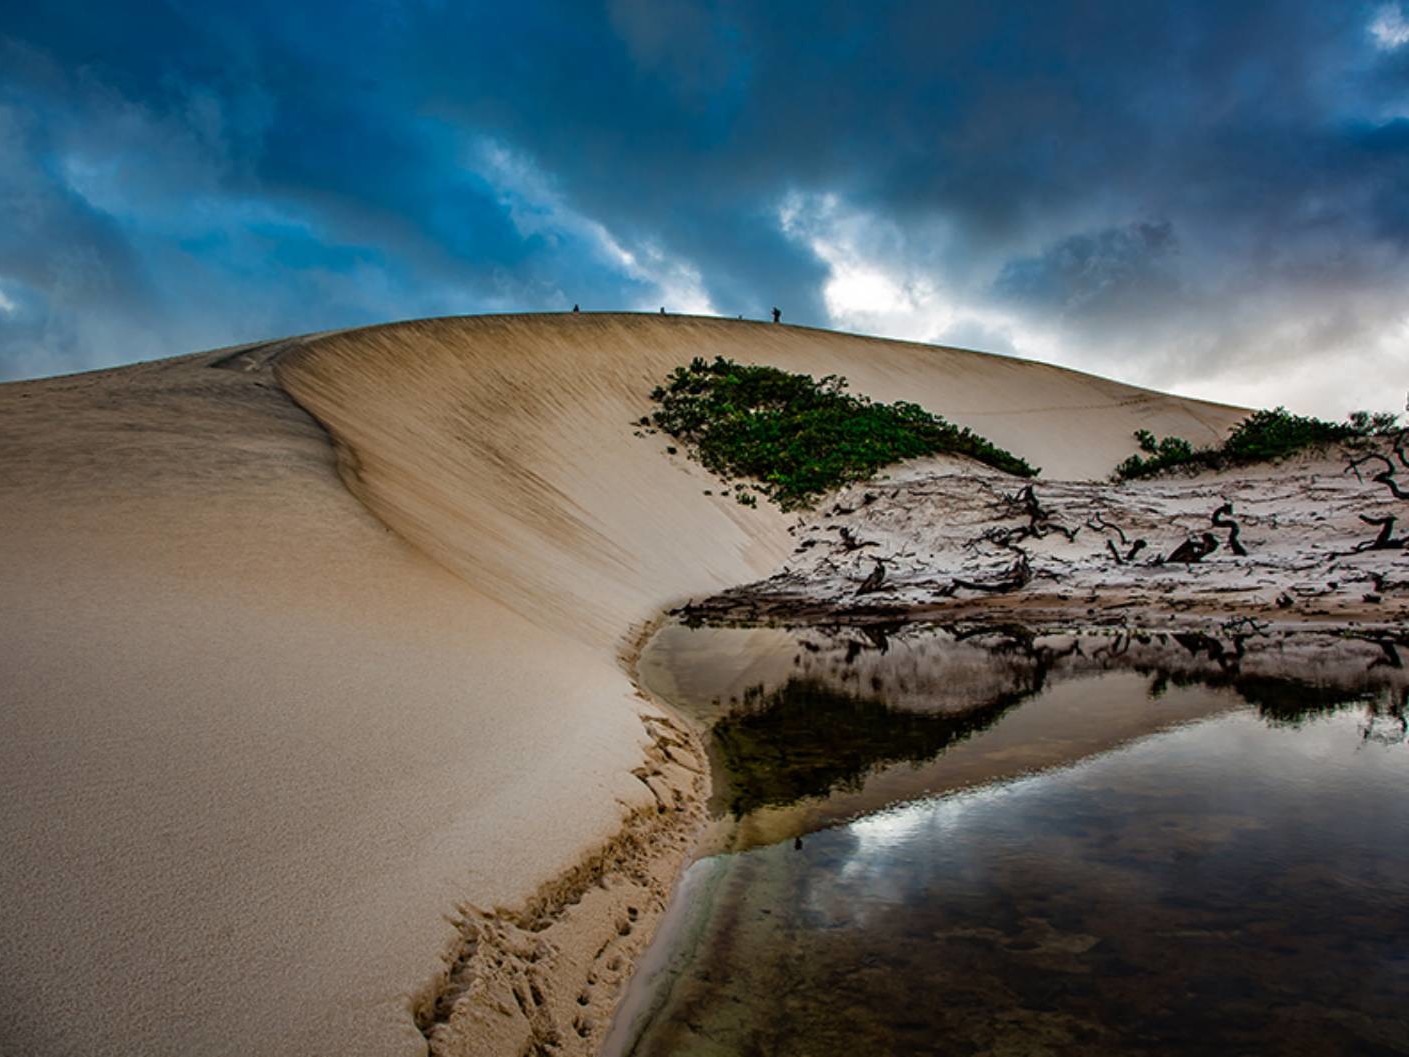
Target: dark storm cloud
[
  {"x": 1104, "y": 271},
  {"x": 1194, "y": 194}
]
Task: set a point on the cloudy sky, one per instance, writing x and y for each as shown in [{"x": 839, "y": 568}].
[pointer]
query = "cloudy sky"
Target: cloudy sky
[{"x": 1206, "y": 197}]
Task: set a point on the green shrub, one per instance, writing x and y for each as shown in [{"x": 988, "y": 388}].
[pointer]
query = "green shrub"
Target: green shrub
[
  {"x": 1261, "y": 437},
  {"x": 1159, "y": 455},
  {"x": 799, "y": 437},
  {"x": 1265, "y": 435}
]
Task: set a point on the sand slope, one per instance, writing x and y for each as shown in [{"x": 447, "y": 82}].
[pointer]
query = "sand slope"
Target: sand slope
[
  {"x": 272, "y": 710},
  {"x": 502, "y": 445}
]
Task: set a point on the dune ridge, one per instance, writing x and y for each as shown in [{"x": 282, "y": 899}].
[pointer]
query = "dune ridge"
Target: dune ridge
[
  {"x": 487, "y": 441},
  {"x": 259, "y": 746}
]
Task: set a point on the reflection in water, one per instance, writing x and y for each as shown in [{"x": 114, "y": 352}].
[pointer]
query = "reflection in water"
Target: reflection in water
[
  {"x": 806, "y": 739},
  {"x": 1236, "y": 882},
  {"x": 814, "y": 726}
]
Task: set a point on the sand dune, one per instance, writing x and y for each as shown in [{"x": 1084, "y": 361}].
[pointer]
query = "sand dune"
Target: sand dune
[
  {"x": 274, "y": 707},
  {"x": 501, "y": 445}
]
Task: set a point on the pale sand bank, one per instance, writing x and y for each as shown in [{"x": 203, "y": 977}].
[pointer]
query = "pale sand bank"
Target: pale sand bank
[
  {"x": 957, "y": 542},
  {"x": 257, "y": 744}
]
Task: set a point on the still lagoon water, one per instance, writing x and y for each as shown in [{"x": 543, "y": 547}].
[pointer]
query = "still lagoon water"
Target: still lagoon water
[{"x": 987, "y": 841}]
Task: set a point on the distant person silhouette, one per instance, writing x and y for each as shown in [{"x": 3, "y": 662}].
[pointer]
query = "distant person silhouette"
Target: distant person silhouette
[
  {"x": 576, "y": 309},
  {"x": 662, "y": 310},
  {"x": 777, "y": 315}
]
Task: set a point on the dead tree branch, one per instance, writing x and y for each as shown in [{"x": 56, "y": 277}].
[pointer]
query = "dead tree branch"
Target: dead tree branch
[
  {"x": 1386, "y": 476},
  {"x": 849, "y": 541},
  {"x": 1098, "y": 522},
  {"x": 1133, "y": 547},
  {"x": 874, "y": 581},
  {"x": 1223, "y": 518},
  {"x": 1385, "y": 540},
  {"x": 1129, "y": 555},
  {"x": 1024, "y": 503},
  {"x": 1194, "y": 549}
]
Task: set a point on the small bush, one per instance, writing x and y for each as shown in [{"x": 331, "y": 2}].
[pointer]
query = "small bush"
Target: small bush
[
  {"x": 1261, "y": 437},
  {"x": 1159, "y": 455},
  {"x": 799, "y": 437}
]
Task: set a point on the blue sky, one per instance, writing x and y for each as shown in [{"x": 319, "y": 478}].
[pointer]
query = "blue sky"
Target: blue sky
[{"x": 1207, "y": 197}]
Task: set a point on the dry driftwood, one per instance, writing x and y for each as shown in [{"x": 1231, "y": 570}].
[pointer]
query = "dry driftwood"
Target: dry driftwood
[
  {"x": 1384, "y": 540},
  {"x": 874, "y": 581},
  {"x": 1194, "y": 549},
  {"x": 1223, "y": 518}
]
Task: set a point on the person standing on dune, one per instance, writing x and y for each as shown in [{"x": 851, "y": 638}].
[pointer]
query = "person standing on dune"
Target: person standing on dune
[{"x": 777, "y": 314}]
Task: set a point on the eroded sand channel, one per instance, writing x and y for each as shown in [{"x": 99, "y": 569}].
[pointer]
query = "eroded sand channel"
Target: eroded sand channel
[{"x": 961, "y": 840}]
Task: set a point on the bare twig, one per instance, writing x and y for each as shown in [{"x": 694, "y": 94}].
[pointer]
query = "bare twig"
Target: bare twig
[
  {"x": 1098, "y": 522},
  {"x": 1386, "y": 476},
  {"x": 849, "y": 541},
  {"x": 1385, "y": 540},
  {"x": 1222, "y": 518},
  {"x": 874, "y": 581}
]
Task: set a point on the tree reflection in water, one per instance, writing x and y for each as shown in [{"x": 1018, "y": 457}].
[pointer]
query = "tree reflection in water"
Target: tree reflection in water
[{"x": 819, "y": 732}]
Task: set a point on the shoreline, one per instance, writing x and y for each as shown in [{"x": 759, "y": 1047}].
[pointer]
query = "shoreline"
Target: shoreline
[
  {"x": 558, "y": 969},
  {"x": 1286, "y": 645},
  {"x": 554, "y": 970}
]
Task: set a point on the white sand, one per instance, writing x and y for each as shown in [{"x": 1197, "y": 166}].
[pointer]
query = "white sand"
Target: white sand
[
  {"x": 257, "y": 744},
  {"x": 940, "y": 528}
]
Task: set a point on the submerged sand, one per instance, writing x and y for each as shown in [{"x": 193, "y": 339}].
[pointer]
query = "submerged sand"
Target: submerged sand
[{"x": 314, "y": 658}]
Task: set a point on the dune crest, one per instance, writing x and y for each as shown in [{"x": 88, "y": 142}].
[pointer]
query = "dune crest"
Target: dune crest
[
  {"x": 258, "y": 745},
  {"x": 502, "y": 446}
]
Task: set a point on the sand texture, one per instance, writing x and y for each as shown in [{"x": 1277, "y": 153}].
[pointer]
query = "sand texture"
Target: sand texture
[{"x": 314, "y": 661}]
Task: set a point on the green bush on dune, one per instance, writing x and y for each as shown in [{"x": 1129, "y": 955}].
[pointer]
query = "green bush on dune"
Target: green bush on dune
[
  {"x": 797, "y": 437},
  {"x": 1261, "y": 437}
]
